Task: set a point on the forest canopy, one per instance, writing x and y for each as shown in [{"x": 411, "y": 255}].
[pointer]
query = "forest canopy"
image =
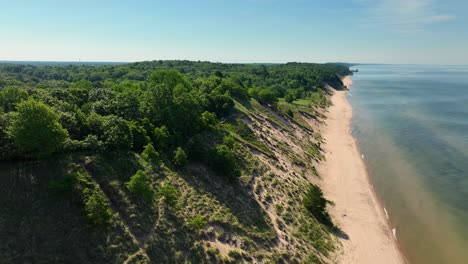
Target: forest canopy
[{"x": 126, "y": 107}]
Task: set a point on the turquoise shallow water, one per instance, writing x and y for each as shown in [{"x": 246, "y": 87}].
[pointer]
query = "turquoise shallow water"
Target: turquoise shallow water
[{"x": 411, "y": 125}]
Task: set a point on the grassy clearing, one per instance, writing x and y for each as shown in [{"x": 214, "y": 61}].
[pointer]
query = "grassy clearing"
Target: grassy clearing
[
  {"x": 295, "y": 110},
  {"x": 241, "y": 131},
  {"x": 256, "y": 106}
]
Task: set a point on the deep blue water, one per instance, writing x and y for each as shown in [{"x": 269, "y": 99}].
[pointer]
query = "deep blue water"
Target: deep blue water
[{"x": 411, "y": 124}]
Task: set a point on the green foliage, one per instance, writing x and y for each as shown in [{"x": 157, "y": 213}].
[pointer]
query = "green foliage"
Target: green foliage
[
  {"x": 234, "y": 254},
  {"x": 80, "y": 185},
  {"x": 196, "y": 223},
  {"x": 223, "y": 162},
  {"x": 116, "y": 133},
  {"x": 150, "y": 154},
  {"x": 316, "y": 204},
  {"x": 10, "y": 97},
  {"x": 312, "y": 259},
  {"x": 63, "y": 186},
  {"x": 139, "y": 136},
  {"x": 289, "y": 98},
  {"x": 170, "y": 78},
  {"x": 97, "y": 208},
  {"x": 116, "y": 111},
  {"x": 162, "y": 137},
  {"x": 169, "y": 193},
  {"x": 180, "y": 158},
  {"x": 221, "y": 104},
  {"x": 208, "y": 119},
  {"x": 35, "y": 129},
  {"x": 139, "y": 186},
  {"x": 264, "y": 95},
  {"x": 121, "y": 105}
]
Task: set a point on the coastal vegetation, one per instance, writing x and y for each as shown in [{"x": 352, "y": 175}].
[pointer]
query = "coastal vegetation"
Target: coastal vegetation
[{"x": 163, "y": 161}]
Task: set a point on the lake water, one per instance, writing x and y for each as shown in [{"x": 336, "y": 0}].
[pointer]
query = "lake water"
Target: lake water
[{"x": 411, "y": 125}]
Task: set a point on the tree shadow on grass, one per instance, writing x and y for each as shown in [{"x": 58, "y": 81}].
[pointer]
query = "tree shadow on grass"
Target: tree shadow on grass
[
  {"x": 39, "y": 227},
  {"x": 111, "y": 172}
]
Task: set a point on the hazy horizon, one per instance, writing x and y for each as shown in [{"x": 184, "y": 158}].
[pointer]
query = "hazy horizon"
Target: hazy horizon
[
  {"x": 425, "y": 32},
  {"x": 47, "y": 62}
]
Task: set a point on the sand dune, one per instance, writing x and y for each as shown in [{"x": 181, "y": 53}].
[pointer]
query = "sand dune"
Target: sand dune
[{"x": 367, "y": 237}]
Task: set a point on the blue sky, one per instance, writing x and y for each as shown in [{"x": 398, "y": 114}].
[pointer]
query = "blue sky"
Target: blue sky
[{"x": 379, "y": 31}]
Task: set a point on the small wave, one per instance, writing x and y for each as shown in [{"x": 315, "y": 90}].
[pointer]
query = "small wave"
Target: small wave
[
  {"x": 386, "y": 213},
  {"x": 394, "y": 232},
  {"x": 362, "y": 156}
]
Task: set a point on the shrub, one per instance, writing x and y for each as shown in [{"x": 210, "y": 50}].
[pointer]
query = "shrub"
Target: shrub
[
  {"x": 223, "y": 162},
  {"x": 169, "y": 193},
  {"x": 196, "y": 223},
  {"x": 150, "y": 154},
  {"x": 289, "y": 98},
  {"x": 316, "y": 204},
  {"x": 139, "y": 186},
  {"x": 234, "y": 254},
  {"x": 180, "y": 158}
]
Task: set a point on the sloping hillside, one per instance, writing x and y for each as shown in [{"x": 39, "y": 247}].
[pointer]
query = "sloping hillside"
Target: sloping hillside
[{"x": 232, "y": 192}]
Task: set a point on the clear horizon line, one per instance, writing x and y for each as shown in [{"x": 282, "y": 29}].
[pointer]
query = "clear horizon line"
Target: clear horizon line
[{"x": 128, "y": 62}]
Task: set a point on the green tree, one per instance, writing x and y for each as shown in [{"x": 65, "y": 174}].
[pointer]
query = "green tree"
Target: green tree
[
  {"x": 316, "y": 204},
  {"x": 162, "y": 137},
  {"x": 97, "y": 208},
  {"x": 126, "y": 105},
  {"x": 35, "y": 129},
  {"x": 223, "y": 162},
  {"x": 208, "y": 119},
  {"x": 116, "y": 133},
  {"x": 170, "y": 78},
  {"x": 11, "y": 96},
  {"x": 289, "y": 98},
  {"x": 267, "y": 96},
  {"x": 219, "y": 74},
  {"x": 180, "y": 158},
  {"x": 150, "y": 154},
  {"x": 139, "y": 185},
  {"x": 139, "y": 135}
]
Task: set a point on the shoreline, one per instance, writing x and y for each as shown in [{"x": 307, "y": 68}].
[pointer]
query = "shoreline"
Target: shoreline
[{"x": 366, "y": 234}]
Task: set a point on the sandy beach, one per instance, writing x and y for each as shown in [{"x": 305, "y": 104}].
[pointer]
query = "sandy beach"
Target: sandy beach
[{"x": 367, "y": 237}]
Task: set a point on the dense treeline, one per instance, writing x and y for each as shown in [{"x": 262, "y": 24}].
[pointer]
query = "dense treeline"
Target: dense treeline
[{"x": 165, "y": 105}]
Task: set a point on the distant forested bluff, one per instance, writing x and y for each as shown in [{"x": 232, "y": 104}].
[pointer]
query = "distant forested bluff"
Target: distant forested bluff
[{"x": 163, "y": 162}]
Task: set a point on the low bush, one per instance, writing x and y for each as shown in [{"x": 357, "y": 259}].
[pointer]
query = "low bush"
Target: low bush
[
  {"x": 169, "y": 193},
  {"x": 196, "y": 223},
  {"x": 180, "y": 158}
]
